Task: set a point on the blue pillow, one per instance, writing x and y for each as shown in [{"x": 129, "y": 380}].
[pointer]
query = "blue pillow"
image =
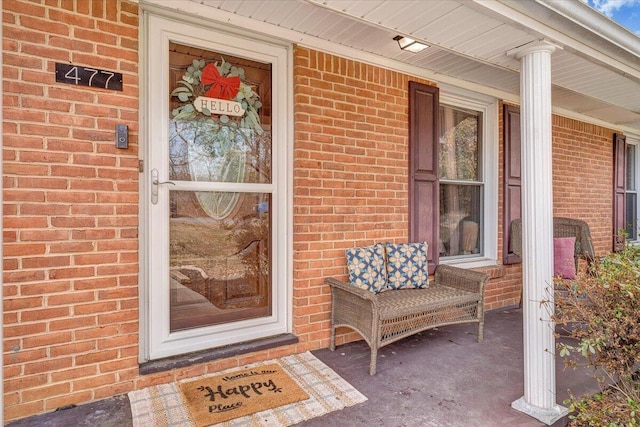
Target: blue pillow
[
  {"x": 366, "y": 268},
  {"x": 407, "y": 265}
]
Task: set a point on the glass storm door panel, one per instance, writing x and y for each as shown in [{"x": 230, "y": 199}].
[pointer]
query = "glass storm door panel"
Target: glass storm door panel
[
  {"x": 213, "y": 199},
  {"x": 218, "y": 240}
]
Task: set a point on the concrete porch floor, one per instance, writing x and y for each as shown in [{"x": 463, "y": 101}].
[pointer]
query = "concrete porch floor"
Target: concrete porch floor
[{"x": 439, "y": 378}]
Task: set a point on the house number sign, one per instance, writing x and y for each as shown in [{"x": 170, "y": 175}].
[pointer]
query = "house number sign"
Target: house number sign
[{"x": 87, "y": 76}]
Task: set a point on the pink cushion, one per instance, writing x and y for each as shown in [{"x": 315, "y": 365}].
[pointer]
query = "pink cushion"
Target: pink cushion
[{"x": 563, "y": 257}]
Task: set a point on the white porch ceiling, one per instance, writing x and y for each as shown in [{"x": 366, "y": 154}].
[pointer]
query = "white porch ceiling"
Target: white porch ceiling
[{"x": 469, "y": 40}]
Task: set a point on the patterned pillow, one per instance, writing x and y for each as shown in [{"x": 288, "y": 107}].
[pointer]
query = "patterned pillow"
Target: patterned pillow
[
  {"x": 366, "y": 268},
  {"x": 407, "y": 265}
]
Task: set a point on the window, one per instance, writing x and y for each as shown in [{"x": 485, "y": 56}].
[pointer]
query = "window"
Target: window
[
  {"x": 461, "y": 185},
  {"x": 453, "y": 169},
  {"x": 468, "y": 177},
  {"x": 631, "y": 189}
]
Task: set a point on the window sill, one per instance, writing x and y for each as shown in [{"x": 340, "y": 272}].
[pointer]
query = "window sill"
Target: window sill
[
  {"x": 189, "y": 359},
  {"x": 486, "y": 265},
  {"x": 470, "y": 262}
]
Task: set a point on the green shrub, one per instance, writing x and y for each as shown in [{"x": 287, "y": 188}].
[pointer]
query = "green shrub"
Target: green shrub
[{"x": 600, "y": 311}]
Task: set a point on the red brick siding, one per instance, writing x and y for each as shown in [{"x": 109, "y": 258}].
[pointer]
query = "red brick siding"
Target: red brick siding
[
  {"x": 582, "y": 189},
  {"x": 71, "y": 200},
  {"x": 350, "y": 173},
  {"x": 583, "y": 177},
  {"x": 71, "y": 206}
]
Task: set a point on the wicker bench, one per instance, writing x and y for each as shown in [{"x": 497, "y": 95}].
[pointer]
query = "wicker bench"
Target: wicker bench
[{"x": 454, "y": 296}]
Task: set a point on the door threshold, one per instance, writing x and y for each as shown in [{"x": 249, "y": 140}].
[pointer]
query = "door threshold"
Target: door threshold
[{"x": 189, "y": 359}]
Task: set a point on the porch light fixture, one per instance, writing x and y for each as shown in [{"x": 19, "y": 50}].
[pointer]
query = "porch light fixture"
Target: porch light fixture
[{"x": 410, "y": 45}]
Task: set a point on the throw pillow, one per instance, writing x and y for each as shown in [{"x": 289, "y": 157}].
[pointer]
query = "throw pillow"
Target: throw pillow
[
  {"x": 407, "y": 265},
  {"x": 366, "y": 268},
  {"x": 564, "y": 257}
]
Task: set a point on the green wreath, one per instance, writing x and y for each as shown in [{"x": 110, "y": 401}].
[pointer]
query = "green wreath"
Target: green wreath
[{"x": 219, "y": 81}]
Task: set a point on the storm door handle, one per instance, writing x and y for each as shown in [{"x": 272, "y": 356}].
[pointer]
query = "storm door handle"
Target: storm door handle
[{"x": 155, "y": 183}]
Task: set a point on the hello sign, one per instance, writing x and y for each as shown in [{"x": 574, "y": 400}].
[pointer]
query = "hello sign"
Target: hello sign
[{"x": 218, "y": 106}]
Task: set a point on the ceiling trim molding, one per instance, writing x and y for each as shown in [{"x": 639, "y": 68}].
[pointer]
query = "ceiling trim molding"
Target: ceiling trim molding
[
  {"x": 320, "y": 4},
  {"x": 570, "y": 114},
  {"x": 504, "y": 10},
  {"x": 204, "y": 15},
  {"x": 595, "y": 22},
  {"x": 207, "y": 16},
  {"x": 537, "y": 46}
]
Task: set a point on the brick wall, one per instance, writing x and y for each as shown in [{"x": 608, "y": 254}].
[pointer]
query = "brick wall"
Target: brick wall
[
  {"x": 351, "y": 177},
  {"x": 350, "y": 173},
  {"x": 582, "y": 189},
  {"x": 71, "y": 199},
  {"x": 583, "y": 177},
  {"x": 71, "y": 206}
]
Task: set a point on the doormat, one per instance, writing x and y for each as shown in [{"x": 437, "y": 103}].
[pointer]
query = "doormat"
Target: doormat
[
  {"x": 165, "y": 405},
  {"x": 213, "y": 400}
]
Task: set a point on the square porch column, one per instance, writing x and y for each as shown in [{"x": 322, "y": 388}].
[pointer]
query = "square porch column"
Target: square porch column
[{"x": 539, "y": 400}]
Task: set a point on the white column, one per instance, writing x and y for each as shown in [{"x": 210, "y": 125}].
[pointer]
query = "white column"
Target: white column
[{"x": 539, "y": 400}]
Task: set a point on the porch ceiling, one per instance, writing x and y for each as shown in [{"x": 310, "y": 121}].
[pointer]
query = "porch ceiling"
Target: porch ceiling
[{"x": 591, "y": 75}]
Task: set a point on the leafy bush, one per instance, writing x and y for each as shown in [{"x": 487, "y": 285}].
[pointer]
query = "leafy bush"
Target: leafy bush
[{"x": 600, "y": 310}]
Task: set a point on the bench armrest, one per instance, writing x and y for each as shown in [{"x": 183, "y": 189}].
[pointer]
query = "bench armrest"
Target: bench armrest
[
  {"x": 347, "y": 287},
  {"x": 460, "y": 278}
]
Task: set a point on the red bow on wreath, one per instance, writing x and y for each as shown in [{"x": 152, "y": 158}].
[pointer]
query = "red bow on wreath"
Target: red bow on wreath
[{"x": 221, "y": 87}]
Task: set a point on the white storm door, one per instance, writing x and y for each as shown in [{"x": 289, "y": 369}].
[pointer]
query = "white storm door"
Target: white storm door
[{"x": 216, "y": 180}]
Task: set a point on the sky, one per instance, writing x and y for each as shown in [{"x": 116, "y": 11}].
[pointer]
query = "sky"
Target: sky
[{"x": 624, "y": 12}]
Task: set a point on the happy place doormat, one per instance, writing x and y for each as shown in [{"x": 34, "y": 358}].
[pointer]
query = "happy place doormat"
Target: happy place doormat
[
  {"x": 220, "y": 398},
  {"x": 166, "y": 405}
]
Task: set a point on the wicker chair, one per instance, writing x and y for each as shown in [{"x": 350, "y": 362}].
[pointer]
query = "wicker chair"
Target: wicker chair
[{"x": 562, "y": 227}]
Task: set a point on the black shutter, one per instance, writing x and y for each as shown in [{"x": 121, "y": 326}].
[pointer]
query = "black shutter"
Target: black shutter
[
  {"x": 424, "y": 207},
  {"x": 619, "y": 188},
  {"x": 512, "y": 179}
]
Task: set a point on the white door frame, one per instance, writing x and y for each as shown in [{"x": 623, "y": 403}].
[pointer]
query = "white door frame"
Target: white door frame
[{"x": 156, "y": 341}]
